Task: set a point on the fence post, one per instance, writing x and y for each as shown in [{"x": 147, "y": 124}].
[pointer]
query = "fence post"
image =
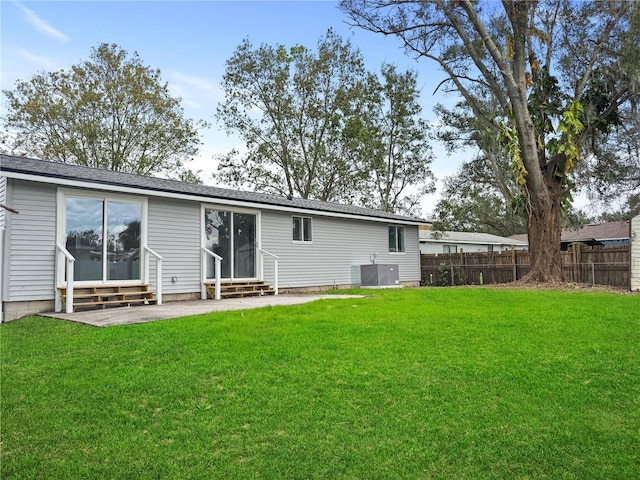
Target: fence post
[{"x": 514, "y": 262}]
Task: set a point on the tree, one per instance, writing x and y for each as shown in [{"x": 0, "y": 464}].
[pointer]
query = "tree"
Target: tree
[
  {"x": 318, "y": 125},
  {"x": 553, "y": 69},
  {"x": 611, "y": 170},
  {"x": 401, "y": 153},
  {"x": 483, "y": 196},
  {"x": 110, "y": 111},
  {"x": 470, "y": 202},
  {"x": 129, "y": 238},
  {"x": 294, "y": 109}
]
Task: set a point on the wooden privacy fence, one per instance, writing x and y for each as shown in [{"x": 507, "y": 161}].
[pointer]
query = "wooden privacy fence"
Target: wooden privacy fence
[{"x": 598, "y": 266}]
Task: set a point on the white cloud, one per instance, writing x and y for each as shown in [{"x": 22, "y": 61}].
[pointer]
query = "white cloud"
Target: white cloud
[
  {"x": 194, "y": 90},
  {"x": 41, "y": 25},
  {"x": 41, "y": 61}
]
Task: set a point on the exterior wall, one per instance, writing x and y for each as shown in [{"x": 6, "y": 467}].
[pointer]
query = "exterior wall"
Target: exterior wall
[
  {"x": 174, "y": 233},
  {"x": 31, "y": 239},
  {"x": 433, "y": 247},
  {"x": 333, "y": 258},
  {"x": 635, "y": 253},
  {"x": 3, "y": 199},
  {"x": 338, "y": 249}
]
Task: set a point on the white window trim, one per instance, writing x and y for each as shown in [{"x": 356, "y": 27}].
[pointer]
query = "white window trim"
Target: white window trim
[
  {"x": 450, "y": 245},
  {"x": 230, "y": 208},
  {"x": 405, "y": 239},
  {"x": 302, "y": 242},
  {"x": 61, "y": 221}
]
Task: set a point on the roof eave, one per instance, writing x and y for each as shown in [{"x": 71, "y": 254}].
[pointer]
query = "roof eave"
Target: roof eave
[{"x": 133, "y": 189}]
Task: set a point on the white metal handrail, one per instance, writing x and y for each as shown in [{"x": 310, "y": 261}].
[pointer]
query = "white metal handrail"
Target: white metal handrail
[
  {"x": 158, "y": 273},
  {"x": 275, "y": 268},
  {"x": 60, "y": 272},
  {"x": 203, "y": 264}
]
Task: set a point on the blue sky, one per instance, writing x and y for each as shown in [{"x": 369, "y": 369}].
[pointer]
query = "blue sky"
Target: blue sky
[{"x": 189, "y": 41}]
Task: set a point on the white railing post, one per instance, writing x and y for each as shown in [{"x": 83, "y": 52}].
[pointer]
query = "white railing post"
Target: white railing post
[
  {"x": 203, "y": 272},
  {"x": 69, "y": 263},
  {"x": 159, "y": 281},
  {"x": 275, "y": 282},
  {"x": 275, "y": 268},
  {"x": 158, "y": 259},
  {"x": 218, "y": 268},
  {"x": 69, "y": 302}
]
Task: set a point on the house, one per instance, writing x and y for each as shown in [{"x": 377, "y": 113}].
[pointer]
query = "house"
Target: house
[
  {"x": 80, "y": 230},
  {"x": 607, "y": 234},
  {"x": 435, "y": 242},
  {"x": 635, "y": 253}
]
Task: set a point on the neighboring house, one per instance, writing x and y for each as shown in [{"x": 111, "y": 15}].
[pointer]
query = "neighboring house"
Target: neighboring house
[
  {"x": 608, "y": 234},
  {"x": 108, "y": 226},
  {"x": 635, "y": 253},
  {"x": 454, "y": 242}
]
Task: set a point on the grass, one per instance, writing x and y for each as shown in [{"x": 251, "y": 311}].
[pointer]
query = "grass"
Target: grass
[{"x": 415, "y": 383}]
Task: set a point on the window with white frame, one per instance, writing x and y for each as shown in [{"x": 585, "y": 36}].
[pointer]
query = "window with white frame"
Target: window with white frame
[
  {"x": 104, "y": 235},
  {"x": 302, "y": 229},
  {"x": 449, "y": 249},
  {"x": 396, "y": 239}
]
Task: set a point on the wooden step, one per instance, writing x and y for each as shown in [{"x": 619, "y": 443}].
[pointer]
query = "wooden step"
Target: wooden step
[
  {"x": 240, "y": 289},
  {"x": 102, "y": 296}
]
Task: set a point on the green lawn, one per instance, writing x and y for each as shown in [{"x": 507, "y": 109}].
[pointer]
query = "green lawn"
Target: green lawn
[{"x": 409, "y": 384}]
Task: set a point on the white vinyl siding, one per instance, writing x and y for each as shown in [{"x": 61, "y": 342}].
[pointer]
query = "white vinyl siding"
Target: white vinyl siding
[
  {"x": 339, "y": 247},
  {"x": 3, "y": 199},
  {"x": 635, "y": 253},
  {"x": 174, "y": 233},
  {"x": 31, "y": 236}
]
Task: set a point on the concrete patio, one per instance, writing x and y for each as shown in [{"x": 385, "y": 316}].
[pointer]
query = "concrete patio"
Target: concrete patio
[{"x": 149, "y": 313}]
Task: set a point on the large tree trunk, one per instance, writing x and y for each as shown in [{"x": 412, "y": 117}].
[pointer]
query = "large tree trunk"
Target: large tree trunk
[{"x": 545, "y": 232}]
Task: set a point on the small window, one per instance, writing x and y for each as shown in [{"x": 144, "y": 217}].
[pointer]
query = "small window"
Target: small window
[
  {"x": 450, "y": 249},
  {"x": 490, "y": 248},
  {"x": 396, "y": 239},
  {"x": 302, "y": 231}
]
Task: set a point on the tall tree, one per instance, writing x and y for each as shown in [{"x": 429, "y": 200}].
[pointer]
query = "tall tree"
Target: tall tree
[
  {"x": 483, "y": 196},
  {"x": 471, "y": 202},
  {"x": 294, "y": 108},
  {"x": 553, "y": 69},
  {"x": 400, "y": 155},
  {"x": 611, "y": 171},
  {"x": 110, "y": 111},
  {"x": 318, "y": 125}
]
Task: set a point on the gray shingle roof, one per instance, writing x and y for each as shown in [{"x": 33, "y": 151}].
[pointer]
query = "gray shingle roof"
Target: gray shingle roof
[
  {"x": 598, "y": 232},
  {"x": 88, "y": 175}
]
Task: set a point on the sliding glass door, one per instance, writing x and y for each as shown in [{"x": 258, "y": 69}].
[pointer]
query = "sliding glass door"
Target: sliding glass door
[
  {"x": 104, "y": 237},
  {"x": 232, "y": 236}
]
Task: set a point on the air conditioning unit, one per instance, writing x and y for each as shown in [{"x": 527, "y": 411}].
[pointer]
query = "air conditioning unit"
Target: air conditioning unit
[{"x": 379, "y": 275}]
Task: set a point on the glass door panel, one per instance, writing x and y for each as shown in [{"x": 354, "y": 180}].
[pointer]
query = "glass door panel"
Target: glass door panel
[
  {"x": 217, "y": 228},
  {"x": 233, "y": 237},
  {"x": 123, "y": 240},
  {"x": 244, "y": 245},
  {"x": 84, "y": 231},
  {"x": 104, "y": 237}
]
